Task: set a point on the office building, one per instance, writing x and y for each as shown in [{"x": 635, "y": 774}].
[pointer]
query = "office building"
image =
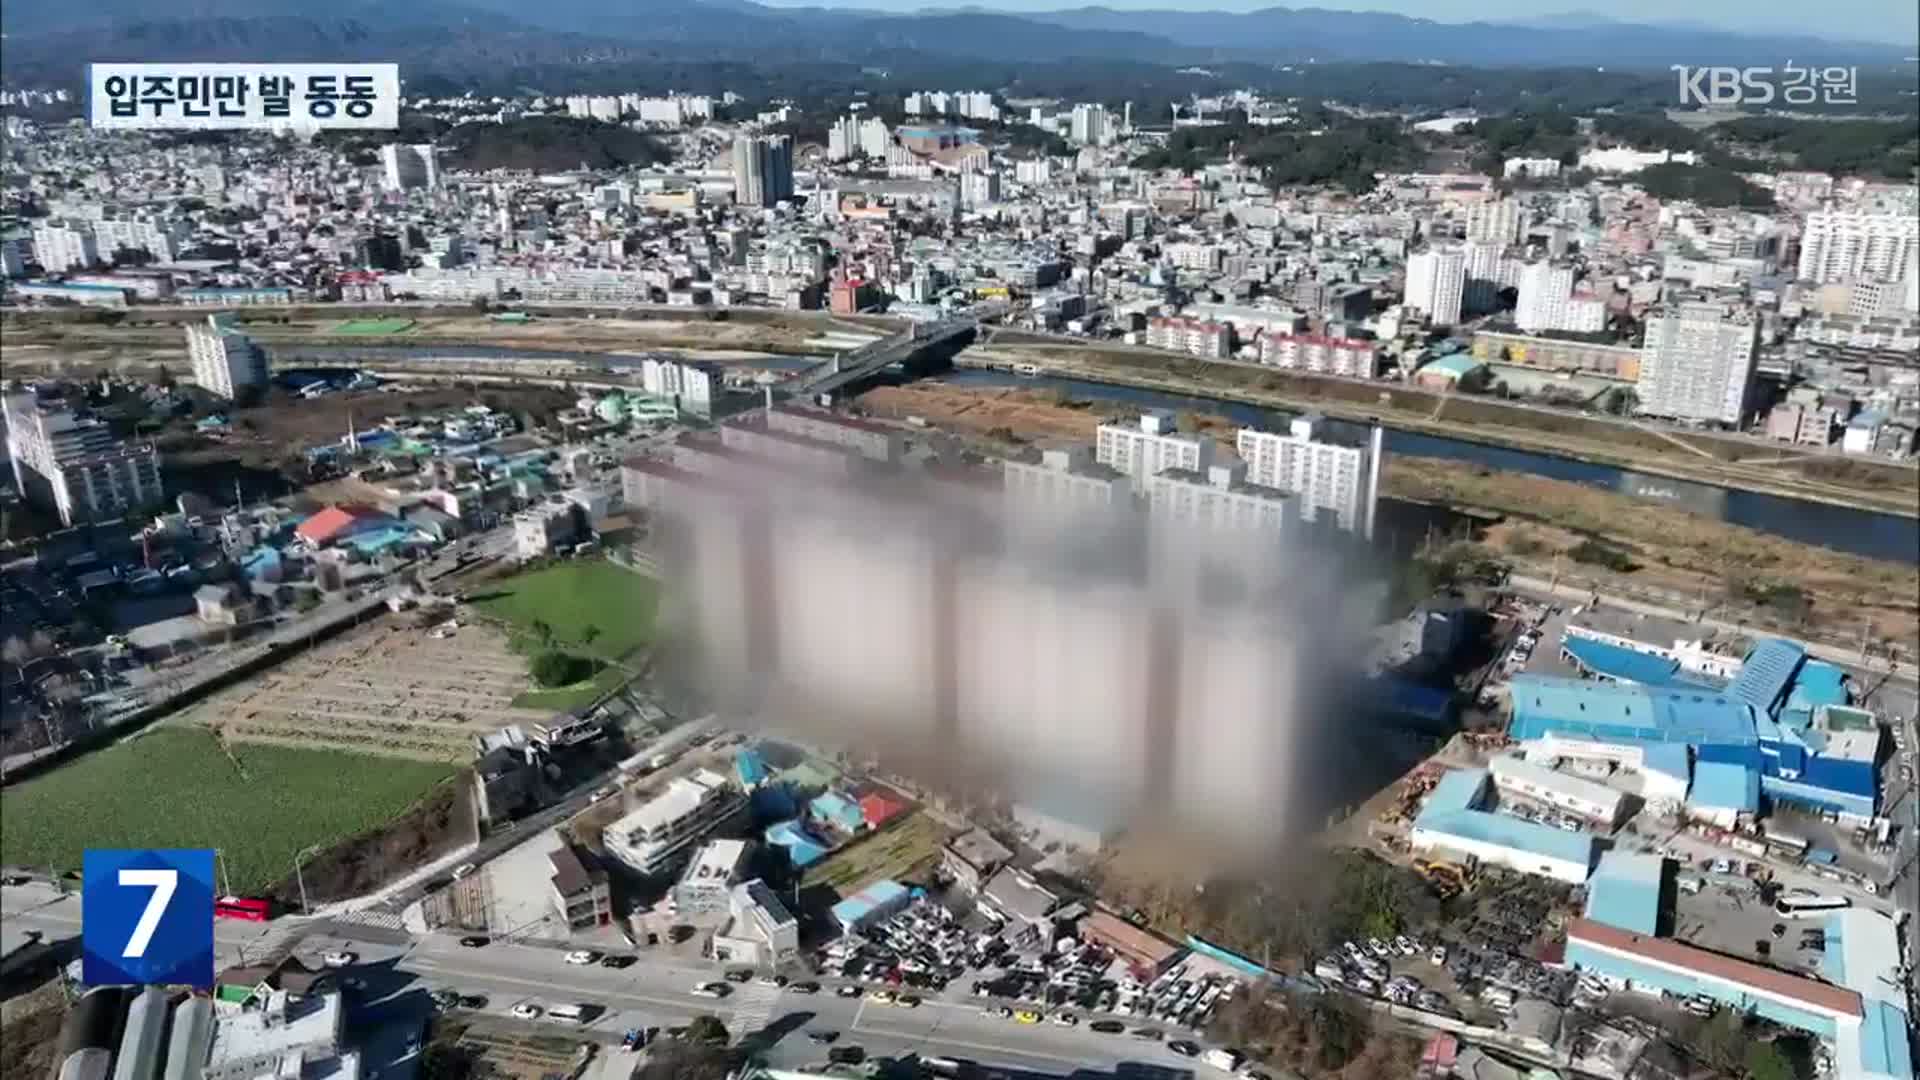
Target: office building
[
  {"x": 226, "y": 362},
  {"x": 1436, "y": 285},
  {"x": 708, "y": 881},
  {"x": 762, "y": 170},
  {"x": 75, "y": 465},
  {"x": 1840, "y": 246},
  {"x": 1140, "y": 451},
  {"x": 1697, "y": 363},
  {"x": 581, "y": 897},
  {"x": 656, "y": 837},
  {"x": 1328, "y": 478},
  {"x": 63, "y": 246},
  {"x": 408, "y": 166}
]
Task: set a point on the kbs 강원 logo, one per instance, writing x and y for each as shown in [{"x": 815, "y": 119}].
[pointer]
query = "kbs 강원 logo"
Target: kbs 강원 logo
[{"x": 147, "y": 917}]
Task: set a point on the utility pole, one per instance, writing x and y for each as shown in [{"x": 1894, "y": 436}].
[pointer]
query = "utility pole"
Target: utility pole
[{"x": 226, "y": 881}]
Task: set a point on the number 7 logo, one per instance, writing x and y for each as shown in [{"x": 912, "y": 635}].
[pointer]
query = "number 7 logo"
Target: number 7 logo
[{"x": 163, "y": 882}]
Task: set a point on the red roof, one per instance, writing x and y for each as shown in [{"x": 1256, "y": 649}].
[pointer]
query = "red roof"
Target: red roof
[
  {"x": 1678, "y": 954},
  {"x": 879, "y": 809},
  {"x": 331, "y": 523}
]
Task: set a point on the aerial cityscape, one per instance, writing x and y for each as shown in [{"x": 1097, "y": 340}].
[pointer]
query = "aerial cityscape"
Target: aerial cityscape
[{"x": 715, "y": 541}]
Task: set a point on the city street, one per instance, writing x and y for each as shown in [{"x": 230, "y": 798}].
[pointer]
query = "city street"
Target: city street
[{"x": 392, "y": 967}]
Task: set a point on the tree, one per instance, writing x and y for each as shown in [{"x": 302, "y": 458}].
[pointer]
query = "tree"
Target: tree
[
  {"x": 588, "y": 633},
  {"x": 1620, "y": 401},
  {"x": 1720, "y": 1043},
  {"x": 707, "y": 1029},
  {"x": 555, "y": 668},
  {"x": 542, "y": 631},
  {"x": 685, "y": 1060},
  {"x": 1766, "y": 1062}
]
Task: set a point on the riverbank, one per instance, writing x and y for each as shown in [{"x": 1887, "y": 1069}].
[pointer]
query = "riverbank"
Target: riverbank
[
  {"x": 1744, "y": 574},
  {"x": 1737, "y": 463}
]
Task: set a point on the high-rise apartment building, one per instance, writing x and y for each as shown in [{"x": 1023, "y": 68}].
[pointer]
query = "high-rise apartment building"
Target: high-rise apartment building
[
  {"x": 1698, "y": 363},
  {"x": 63, "y": 246},
  {"x": 160, "y": 240},
  {"x": 1327, "y": 477},
  {"x": 1547, "y": 302},
  {"x": 1498, "y": 222},
  {"x": 1220, "y": 498},
  {"x": 226, "y": 362},
  {"x": 1483, "y": 277},
  {"x": 1436, "y": 285},
  {"x": 1090, "y": 125},
  {"x": 1841, "y": 246},
  {"x": 1145, "y": 449},
  {"x": 75, "y": 465},
  {"x": 409, "y": 166},
  {"x": 762, "y": 170}
]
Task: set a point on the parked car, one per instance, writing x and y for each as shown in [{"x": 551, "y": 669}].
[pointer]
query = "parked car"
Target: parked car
[
  {"x": 338, "y": 959},
  {"x": 617, "y": 960},
  {"x": 526, "y": 1010},
  {"x": 476, "y": 941},
  {"x": 583, "y": 956}
]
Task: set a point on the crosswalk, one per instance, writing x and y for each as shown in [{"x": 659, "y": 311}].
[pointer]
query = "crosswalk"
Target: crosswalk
[
  {"x": 379, "y": 920},
  {"x": 753, "y": 1007}
]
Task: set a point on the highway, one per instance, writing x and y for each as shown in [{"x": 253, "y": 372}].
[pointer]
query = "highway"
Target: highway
[{"x": 392, "y": 966}]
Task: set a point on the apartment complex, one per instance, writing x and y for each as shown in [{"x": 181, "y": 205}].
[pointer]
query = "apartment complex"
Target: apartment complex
[
  {"x": 226, "y": 362},
  {"x": 1219, "y": 498},
  {"x": 1842, "y": 246},
  {"x": 1327, "y": 477},
  {"x": 406, "y": 166},
  {"x": 75, "y": 465},
  {"x": 1698, "y": 363},
  {"x": 1195, "y": 337},
  {"x": 61, "y": 247},
  {"x": 1151, "y": 446},
  {"x": 1350, "y": 357},
  {"x": 656, "y": 837},
  {"x": 875, "y": 442},
  {"x": 1064, "y": 477},
  {"x": 1546, "y": 302}
]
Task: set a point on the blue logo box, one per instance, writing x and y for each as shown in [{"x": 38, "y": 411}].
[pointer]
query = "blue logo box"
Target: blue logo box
[{"x": 147, "y": 917}]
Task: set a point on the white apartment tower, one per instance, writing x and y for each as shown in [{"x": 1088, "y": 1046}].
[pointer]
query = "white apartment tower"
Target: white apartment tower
[
  {"x": 76, "y": 466},
  {"x": 1498, "y": 222},
  {"x": 1839, "y": 246},
  {"x": 762, "y": 170},
  {"x": 1698, "y": 363},
  {"x": 1436, "y": 284},
  {"x": 1326, "y": 477},
  {"x": 1090, "y": 125},
  {"x": 59, "y": 248},
  {"x": 226, "y": 362},
  {"x": 1144, "y": 450},
  {"x": 409, "y": 166},
  {"x": 1546, "y": 302}
]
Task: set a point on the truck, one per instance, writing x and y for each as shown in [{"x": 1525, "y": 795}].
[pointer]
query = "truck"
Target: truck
[{"x": 1224, "y": 1060}]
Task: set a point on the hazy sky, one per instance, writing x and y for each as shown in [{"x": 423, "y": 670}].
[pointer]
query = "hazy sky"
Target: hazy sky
[{"x": 1845, "y": 20}]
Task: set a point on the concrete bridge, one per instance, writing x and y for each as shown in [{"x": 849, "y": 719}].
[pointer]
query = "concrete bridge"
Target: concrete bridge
[{"x": 920, "y": 348}]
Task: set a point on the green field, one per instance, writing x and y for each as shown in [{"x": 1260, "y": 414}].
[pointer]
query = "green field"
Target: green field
[
  {"x": 591, "y": 607},
  {"x": 371, "y": 327},
  {"x": 895, "y": 852},
  {"x": 175, "y": 787},
  {"x": 578, "y": 696}
]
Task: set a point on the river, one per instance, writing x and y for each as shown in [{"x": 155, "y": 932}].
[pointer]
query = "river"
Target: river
[
  {"x": 1876, "y": 535},
  {"x": 1859, "y": 532}
]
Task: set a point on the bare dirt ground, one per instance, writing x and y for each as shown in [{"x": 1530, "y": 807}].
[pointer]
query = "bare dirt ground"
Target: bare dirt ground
[
  {"x": 386, "y": 688},
  {"x": 442, "y": 822},
  {"x": 30, "y": 1032},
  {"x": 1676, "y": 552}
]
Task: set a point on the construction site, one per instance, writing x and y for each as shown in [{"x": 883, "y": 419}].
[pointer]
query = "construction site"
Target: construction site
[{"x": 392, "y": 687}]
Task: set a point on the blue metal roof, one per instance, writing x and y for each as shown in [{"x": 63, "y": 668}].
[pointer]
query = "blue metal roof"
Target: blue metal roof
[
  {"x": 750, "y": 767},
  {"x": 1549, "y": 705},
  {"x": 1884, "y": 1048},
  {"x": 1766, "y": 673},
  {"x": 875, "y": 897},
  {"x": 1449, "y": 811},
  {"x": 1616, "y": 662},
  {"x": 1724, "y": 786},
  {"x": 802, "y": 849},
  {"x": 1625, "y": 891},
  {"x": 1667, "y": 759},
  {"x": 1818, "y": 683},
  {"x": 838, "y": 810}
]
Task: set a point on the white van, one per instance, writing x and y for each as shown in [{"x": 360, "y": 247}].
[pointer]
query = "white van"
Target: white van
[{"x": 575, "y": 1013}]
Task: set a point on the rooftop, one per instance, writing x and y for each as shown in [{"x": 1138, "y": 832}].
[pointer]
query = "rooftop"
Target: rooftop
[
  {"x": 1769, "y": 669},
  {"x": 1624, "y": 891},
  {"x": 1611, "y": 661},
  {"x": 1703, "y": 964},
  {"x": 1546, "y": 704},
  {"x": 718, "y": 861},
  {"x": 1453, "y": 810},
  {"x": 979, "y": 848},
  {"x": 683, "y": 796},
  {"x": 1020, "y": 896},
  {"x": 1725, "y": 785}
]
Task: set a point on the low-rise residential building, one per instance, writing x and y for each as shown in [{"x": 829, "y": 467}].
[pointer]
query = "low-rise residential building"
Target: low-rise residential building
[
  {"x": 1352, "y": 358},
  {"x": 710, "y": 876},
  {"x": 580, "y": 893},
  {"x": 761, "y": 930},
  {"x": 972, "y": 858},
  {"x": 540, "y": 528},
  {"x": 1195, "y": 337},
  {"x": 656, "y": 837}
]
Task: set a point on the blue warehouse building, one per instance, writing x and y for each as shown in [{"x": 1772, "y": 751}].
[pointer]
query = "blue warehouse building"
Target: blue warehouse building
[{"x": 1782, "y": 727}]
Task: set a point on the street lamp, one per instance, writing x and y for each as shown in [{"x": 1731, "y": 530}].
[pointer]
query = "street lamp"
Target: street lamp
[{"x": 305, "y": 908}]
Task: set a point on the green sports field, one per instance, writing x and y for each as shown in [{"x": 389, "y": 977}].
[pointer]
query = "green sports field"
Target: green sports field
[{"x": 177, "y": 787}]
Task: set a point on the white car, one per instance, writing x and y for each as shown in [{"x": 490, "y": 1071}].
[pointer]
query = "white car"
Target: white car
[
  {"x": 526, "y": 1010},
  {"x": 583, "y": 956},
  {"x": 1438, "y": 956},
  {"x": 338, "y": 959}
]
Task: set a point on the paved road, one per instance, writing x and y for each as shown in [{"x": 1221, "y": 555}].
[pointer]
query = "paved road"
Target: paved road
[{"x": 392, "y": 966}]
